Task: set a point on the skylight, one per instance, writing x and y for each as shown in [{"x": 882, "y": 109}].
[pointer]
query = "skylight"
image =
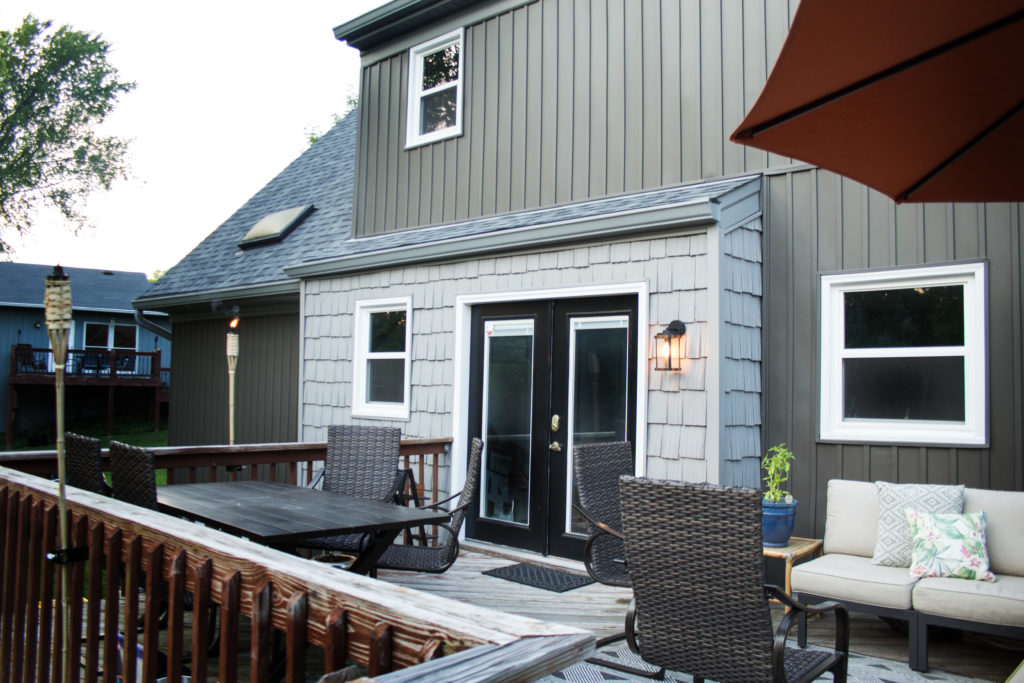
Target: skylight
[{"x": 275, "y": 226}]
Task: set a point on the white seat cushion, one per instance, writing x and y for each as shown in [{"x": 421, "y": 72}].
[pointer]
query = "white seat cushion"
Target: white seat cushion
[
  {"x": 854, "y": 578},
  {"x": 1000, "y": 602}
]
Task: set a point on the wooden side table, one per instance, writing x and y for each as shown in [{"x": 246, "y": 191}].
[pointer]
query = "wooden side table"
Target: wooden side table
[{"x": 798, "y": 548}]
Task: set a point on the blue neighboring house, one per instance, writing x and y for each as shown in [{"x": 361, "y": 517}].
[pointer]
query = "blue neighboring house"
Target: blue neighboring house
[{"x": 111, "y": 347}]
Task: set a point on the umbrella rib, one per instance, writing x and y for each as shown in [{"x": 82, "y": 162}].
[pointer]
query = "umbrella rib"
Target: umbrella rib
[
  {"x": 952, "y": 158},
  {"x": 880, "y": 76}
]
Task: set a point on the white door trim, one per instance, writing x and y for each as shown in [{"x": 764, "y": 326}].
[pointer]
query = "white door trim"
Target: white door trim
[{"x": 463, "y": 343}]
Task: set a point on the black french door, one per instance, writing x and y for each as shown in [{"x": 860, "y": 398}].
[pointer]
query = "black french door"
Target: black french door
[{"x": 545, "y": 376}]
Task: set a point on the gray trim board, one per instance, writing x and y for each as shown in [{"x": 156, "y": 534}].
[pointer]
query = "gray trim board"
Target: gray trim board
[{"x": 208, "y": 296}]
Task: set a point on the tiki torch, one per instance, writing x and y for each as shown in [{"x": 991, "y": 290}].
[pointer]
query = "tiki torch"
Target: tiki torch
[
  {"x": 232, "y": 364},
  {"x": 57, "y": 300}
]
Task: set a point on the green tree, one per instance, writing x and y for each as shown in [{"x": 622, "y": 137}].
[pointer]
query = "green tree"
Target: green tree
[{"x": 56, "y": 87}]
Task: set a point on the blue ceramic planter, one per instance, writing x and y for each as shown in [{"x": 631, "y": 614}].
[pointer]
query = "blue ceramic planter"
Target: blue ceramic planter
[{"x": 777, "y": 522}]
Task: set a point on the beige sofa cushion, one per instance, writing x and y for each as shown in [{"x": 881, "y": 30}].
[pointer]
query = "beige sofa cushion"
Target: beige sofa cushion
[
  {"x": 1000, "y": 602},
  {"x": 854, "y": 578},
  {"x": 1004, "y": 527},
  {"x": 851, "y": 522}
]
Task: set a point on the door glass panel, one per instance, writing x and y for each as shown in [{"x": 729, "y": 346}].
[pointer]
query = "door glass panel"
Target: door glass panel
[
  {"x": 507, "y": 416},
  {"x": 599, "y": 368},
  {"x": 96, "y": 335}
]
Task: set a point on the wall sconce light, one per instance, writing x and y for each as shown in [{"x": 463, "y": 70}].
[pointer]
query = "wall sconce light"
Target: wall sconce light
[{"x": 669, "y": 347}]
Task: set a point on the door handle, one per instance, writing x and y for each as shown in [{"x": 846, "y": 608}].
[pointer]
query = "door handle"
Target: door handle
[
  {"x": 555, "y": 446},
  {"x": 555, "y": 422}
]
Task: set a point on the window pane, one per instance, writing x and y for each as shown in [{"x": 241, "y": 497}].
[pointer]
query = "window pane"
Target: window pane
[
  {"x": 921, "y": 316},
  {"x": 509, "y": 413},
  {"x": 385, "y": 380},
  {"x": 904, "y": 388},
  {"x": 124, "y": 336},
  {"x": 387, "y": 331},
  {"x": 95, "y": 335},
  {"x": 437, "y": 111},
  {"x": 441, "y": 67}
]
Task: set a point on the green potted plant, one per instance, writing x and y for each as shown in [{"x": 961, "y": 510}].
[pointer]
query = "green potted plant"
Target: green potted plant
[{"x": 778, "y": 507}]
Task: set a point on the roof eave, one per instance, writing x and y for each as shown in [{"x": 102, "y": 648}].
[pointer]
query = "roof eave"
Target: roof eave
[
  {"x": 379, "y": 25},
  {"x": 208, "y": 296},
  {"x": 681, "y": 215}
]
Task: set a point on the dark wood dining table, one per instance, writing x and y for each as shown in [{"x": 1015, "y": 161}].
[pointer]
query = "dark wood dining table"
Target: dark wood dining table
[{"x": 281, "y": 515}]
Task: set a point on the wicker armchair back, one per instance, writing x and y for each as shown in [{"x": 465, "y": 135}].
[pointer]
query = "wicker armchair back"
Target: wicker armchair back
[
  {"x": 133, "y": 475},
  {"x": 697, "y": 564},
  {"x": 84, "y": 464},
  {"x": 362, "y": 461},
  {"x": 598, "y": 467}
]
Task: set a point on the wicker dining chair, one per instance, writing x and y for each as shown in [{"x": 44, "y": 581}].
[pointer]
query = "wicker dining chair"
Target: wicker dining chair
[
  {"x": 361, "y": 462},
  {"x": 84, "y": 464},
  {"x": 695, "y": 558},
  {"x": 598, "y": 467},
  {"x": 437, "y": 559},
  {"x": 133, "y": 475}
]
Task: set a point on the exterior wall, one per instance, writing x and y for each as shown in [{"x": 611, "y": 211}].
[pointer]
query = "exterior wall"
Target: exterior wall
[
  {"x": 819, "y": 223},
  {"x": 267, "y": 381},
  {"x": 570, "y": 99},
  {"x": 674, "y": 268},
  {"x": 741, "y": 356}
]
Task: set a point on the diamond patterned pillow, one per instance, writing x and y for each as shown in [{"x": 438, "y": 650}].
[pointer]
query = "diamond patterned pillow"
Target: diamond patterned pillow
[
  {"x": 949, "y": 545},
  {"x": 893, "y": 546}
]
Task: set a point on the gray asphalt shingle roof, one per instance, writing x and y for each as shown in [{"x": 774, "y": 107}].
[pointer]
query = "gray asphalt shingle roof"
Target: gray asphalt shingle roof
[
  {"x": 321, "y": 176},
  {"x": 22, "y": 284},
  {"x": 324, "y": 175}
]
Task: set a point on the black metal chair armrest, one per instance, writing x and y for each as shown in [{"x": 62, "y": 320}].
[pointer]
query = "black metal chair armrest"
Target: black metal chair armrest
[
  {"x": 600, "y": 525},
  {"x": 794, "y": 610}
]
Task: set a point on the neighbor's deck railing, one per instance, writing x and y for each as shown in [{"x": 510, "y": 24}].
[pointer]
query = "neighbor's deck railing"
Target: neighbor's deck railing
[
  {"x": 30, "y": 365},
  {"x": 133, "y": 551}
]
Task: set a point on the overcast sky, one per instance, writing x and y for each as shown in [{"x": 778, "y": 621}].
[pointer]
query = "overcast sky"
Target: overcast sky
[{"x": 226, "y": 93}]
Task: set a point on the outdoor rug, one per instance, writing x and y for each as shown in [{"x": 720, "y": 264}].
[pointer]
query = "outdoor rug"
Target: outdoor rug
[
  {"x": 535, "y": 575},
  {"x": 861, "y": 669}
]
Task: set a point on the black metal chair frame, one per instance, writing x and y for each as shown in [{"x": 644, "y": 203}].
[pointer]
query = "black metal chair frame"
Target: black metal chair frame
[
  {"x": 437, "y": 559},
  {"x": 725, "y": 555}
]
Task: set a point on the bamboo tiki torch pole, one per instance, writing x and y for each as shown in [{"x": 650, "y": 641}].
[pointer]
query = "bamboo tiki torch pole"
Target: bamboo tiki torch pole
[
  {"x": 232, "y": 354},
  {"x": 57, "y": 301}
]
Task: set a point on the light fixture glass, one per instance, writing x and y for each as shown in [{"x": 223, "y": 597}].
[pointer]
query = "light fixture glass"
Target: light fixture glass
[{"x": 669, "y": 347}]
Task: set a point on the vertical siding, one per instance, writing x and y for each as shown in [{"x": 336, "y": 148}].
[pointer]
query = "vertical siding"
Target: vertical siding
[
  {"x": 819, "y": 223},
  {"x": 266, "y": 394},
  {"x": 571, "y": 99}
]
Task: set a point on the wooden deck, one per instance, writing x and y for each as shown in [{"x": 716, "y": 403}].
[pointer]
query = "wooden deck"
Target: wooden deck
[{"x": 601, "y": 609}]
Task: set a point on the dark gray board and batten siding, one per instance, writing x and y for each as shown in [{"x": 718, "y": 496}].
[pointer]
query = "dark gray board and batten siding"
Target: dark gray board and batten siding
[
  {"x": 837, "y": 224},
  {"x": 570, "y": 99},
  {"x": 266, "y": 393}
]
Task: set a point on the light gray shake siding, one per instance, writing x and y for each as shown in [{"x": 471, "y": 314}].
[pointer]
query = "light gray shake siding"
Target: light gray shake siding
[{"x": 717, "y": 295}]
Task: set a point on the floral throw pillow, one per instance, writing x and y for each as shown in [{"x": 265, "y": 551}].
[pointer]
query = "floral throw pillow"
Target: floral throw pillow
[
  {"x": 949, "y": 545},
  {"x": 892, "y": 549}
]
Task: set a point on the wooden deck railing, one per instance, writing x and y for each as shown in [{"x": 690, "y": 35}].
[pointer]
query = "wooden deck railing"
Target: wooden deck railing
[
  {"x": 140, "y": 562},
  {"x": 101, "y": 366},
  {"x": 293, "y": 463}
]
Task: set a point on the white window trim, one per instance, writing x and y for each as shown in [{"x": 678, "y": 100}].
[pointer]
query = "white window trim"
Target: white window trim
[
  {"x": 971, "y": 432},
  {"x": 415, "y": 94},
  {"x": 360, "y": 338}
]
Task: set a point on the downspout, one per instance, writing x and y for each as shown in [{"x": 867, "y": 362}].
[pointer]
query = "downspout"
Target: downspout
[{"x": 151, "y": 326}]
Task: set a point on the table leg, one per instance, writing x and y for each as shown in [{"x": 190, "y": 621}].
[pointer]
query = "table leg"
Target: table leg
[{"x": 378, "y": 542}]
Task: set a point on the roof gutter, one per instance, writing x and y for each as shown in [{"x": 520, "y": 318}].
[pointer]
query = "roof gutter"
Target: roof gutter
[
  {"x": 691, "y": 213},
  {"x": 208, "y": 296}
]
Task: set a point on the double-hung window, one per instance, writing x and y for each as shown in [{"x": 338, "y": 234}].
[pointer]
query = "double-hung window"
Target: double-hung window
[
  {"x": 383, "y": 337},
  {"x": 903, "y": 356},
  {"x": 435, "y": 90}
]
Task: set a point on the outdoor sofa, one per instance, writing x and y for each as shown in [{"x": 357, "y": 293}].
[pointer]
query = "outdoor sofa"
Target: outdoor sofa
[{"x": 845, "y": 571}]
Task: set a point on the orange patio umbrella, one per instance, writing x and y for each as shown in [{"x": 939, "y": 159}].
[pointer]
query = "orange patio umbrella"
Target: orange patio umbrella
[{"x": 922, "y": 100}]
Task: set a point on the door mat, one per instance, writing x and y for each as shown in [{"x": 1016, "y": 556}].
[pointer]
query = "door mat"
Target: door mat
[{"x": 538, "y": 576}]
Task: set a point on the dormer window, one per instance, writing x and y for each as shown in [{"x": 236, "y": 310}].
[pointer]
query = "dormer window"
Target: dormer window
[{"x": 435, "y": 90}]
